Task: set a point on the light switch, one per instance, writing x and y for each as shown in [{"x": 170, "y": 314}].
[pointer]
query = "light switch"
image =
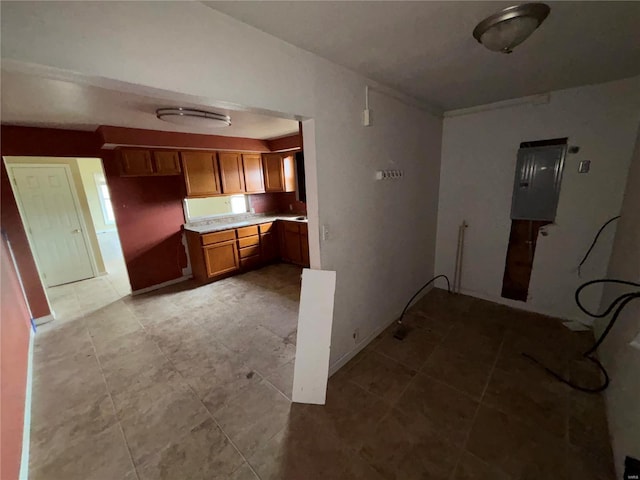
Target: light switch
[{"x": 584, "y": 166}]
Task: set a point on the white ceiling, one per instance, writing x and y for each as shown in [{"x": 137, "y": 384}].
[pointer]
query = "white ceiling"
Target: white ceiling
[
  {"x": 37, "y": 101},
  {"x": 425, "y": 49}
]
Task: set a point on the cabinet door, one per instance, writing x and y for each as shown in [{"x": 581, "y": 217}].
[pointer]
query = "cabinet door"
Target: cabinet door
[
  {"x": 268, "y": 247},
  {"x": 231, "y": 172},
  {"x": 135, "y": 162},
  {"x": 289, "y": 172},
  {"x": 273, "y": 172},
  {"x": 292, "y": 250},
  {"x": 221, "y": 258},
  {"x": 253, "y": 179},
  {"x": 201, "y": 173},
  {"x": 167, "y": 162}
]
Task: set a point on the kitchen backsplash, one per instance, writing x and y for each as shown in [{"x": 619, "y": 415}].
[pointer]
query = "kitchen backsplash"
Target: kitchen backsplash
[{"x": 277, "y": 203}]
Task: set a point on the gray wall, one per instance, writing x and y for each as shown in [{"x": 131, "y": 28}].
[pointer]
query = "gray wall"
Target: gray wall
[
  {"x": 479, "y": 152},
  {"x": 619, "y": 357}
]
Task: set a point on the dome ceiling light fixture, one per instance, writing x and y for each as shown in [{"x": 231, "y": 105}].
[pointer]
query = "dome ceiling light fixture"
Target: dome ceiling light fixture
[
  {"x": 192, "y": 117},
  {"x": 505, "y": 30}
]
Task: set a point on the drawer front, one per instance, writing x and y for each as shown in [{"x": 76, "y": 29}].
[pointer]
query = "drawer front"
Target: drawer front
[
  {"x": 247, "y": 231},
  {"x": 304, "y": 229},
  {"x": 249, "y": 241},
  {"x": 249, "y": 251},
  {"x": 217, "y": 237},
  {"x": 267, "y": 227},
  {"x": 250, "y": 262},
  {"x": 291, "y": 227}
]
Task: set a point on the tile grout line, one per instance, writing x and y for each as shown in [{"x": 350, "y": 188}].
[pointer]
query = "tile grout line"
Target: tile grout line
[
  {"x": 231, "y": 442},
  {"x": 463, "y": 449},
  {"x": 113, "y": 405}
]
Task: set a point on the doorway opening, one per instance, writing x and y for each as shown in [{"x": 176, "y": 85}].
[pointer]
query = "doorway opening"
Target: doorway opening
[{"x": 65, "y": 208}]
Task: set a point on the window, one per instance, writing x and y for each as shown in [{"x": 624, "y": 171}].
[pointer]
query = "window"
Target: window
[
  {"x": 238, "y": 204},
  {"x": 105, "y": 199},
  {"x": 199, "y": 208}
]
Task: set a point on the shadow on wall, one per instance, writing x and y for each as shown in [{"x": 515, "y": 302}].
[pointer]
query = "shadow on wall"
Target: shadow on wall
[{"x": 144, "y": 268}]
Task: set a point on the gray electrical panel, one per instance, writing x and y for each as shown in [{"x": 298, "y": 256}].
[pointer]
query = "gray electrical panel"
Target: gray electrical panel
[{"x": 537, "y": 182}]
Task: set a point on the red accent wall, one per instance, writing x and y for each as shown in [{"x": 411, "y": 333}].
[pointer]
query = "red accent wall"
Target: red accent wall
[
  {"x": 115, "y": 136},
  {"x": 286, "y": 143},
  {"x": 149, "y": 217},
  {"x": 277, "y": 203},
  {"x": 48, "y": 142},
  {"x": 14, "y": 356}
]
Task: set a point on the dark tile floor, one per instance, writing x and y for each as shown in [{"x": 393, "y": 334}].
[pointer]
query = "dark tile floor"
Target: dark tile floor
[{"x": 176, "y": 385}]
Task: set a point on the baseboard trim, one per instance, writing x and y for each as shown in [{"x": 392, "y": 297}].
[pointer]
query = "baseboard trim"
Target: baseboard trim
[
  {"x": 342, "y": 361},
  {"x": 518, "y": 305},
  {"x": 46, "y": 319},
  {"x": 26, "y": 431},
  {"x": 161, "y": 285}
]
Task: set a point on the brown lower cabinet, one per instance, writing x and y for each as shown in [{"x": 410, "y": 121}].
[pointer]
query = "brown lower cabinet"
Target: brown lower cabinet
[
  {"x": 221, "y": 258},
  {"x": 295, "y": 243},
  {"x": 220, "y": 254}
]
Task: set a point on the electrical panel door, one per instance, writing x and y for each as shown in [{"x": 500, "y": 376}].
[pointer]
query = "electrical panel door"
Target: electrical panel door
[{"x": 537, "y": 183}]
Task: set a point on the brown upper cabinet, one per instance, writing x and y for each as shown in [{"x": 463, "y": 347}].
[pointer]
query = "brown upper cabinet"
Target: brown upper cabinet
[
  {"x": 135, "y": 162},
  {"x": 201, "y": 174},
  {"x": 231, "y": 173},
  {"x": 167, "y": 162},
  {"x": 279, "y": 172},
  {"x": 139, "y": 162},
  {"x": 253, "y": 176}
]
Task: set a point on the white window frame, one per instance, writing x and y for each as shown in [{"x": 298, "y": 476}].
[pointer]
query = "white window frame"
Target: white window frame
[{"x": 100, "y": 180}]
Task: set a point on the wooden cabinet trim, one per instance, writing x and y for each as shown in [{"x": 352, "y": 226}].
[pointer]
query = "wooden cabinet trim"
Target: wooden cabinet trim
[
  {"x": 166, "y": 162},
  {"x": 267, "y": 227},
  {"x": 217, "y": 237},
  {"x": 135, "y": 162},
  {"x": 291, "y": 226},
  {"x": 273, "y": 168},
  {"x": 250, "y": 262},
  {"x": 249, "y": 241},
  {"x": 210, "y": 249},
  {"x": 253, "y": 173},
  {"x": 249, "y": 251},
  {"x": 247, "y": 231},
  {"x": 231, "y": 173},
  {"x": 201, "y": 174}
]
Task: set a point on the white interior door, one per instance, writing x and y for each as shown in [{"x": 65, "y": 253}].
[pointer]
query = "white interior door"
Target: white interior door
[{"x": 53, "y": 222}]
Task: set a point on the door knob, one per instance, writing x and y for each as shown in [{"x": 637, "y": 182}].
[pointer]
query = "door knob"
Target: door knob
[{"x": 77, "y": 230}]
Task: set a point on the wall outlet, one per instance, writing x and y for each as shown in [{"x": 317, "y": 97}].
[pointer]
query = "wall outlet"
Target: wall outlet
[
  {"x": 356, "y": 335},
  {"x": 325, "y": 232}
]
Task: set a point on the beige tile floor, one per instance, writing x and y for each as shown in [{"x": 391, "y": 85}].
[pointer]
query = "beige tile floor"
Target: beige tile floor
[
  {"x": 74, "y": 300},
  {"x": 194, "y": 383}
]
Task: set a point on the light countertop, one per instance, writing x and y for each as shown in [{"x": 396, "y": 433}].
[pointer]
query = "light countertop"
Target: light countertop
[{"x": 218, "y": 225}]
